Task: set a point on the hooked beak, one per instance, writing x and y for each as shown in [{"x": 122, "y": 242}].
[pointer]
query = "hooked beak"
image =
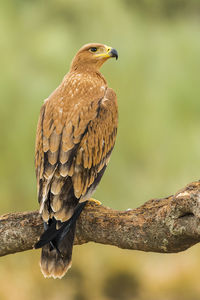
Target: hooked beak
[
  {"x": 113, "y": 53},
  {"x": 109, "y": 52}
]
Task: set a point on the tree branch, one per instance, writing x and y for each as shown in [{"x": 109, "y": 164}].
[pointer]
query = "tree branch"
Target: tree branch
[{"x": 166, "y": 225}]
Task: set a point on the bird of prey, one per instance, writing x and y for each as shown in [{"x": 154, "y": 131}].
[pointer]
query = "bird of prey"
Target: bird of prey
[{"x": 75, "y": 136}]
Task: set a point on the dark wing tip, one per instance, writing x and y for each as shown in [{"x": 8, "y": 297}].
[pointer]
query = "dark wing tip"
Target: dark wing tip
[{"x": 39, "y": 244}]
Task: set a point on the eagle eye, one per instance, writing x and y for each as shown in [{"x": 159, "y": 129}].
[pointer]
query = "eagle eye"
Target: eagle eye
[{"x": 93, "y": 49}]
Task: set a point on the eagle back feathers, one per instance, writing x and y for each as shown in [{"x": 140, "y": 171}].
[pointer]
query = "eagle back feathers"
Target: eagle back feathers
[{"x": 75, "y": 136}]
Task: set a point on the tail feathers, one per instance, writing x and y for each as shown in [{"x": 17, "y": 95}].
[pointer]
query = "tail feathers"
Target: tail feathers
[
  {"x": 57, "y": 245},
  {"x": 56, "y": 262}
]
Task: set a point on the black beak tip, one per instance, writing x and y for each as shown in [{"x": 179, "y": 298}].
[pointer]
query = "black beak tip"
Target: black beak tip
[{"x": 114, "y": 53}]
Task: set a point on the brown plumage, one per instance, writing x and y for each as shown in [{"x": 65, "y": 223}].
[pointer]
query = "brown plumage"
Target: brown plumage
[{"x": 75, "y": 136}]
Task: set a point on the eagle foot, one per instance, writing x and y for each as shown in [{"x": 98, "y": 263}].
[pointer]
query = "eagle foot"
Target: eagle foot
[{"x": 95, "y": 201}]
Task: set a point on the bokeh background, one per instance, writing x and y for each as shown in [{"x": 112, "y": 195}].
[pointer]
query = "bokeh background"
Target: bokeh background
[{"x": 158, "y": 146}]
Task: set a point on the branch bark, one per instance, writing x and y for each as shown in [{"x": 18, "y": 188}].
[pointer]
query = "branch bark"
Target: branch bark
[{"x": 167, "y": 225}]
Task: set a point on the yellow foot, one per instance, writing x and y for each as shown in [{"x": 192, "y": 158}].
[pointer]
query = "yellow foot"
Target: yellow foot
[{"x": 95, "y": 201}]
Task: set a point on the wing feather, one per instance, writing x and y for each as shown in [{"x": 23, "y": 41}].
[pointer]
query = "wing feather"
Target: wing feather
[{"x": 72, "y": 152}]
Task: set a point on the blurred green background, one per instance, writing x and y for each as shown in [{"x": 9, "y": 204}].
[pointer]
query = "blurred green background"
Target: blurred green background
[{"x": 158, "y": 146}]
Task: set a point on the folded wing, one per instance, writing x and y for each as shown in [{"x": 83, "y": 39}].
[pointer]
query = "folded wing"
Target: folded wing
[{"x": 73, "y": 147}]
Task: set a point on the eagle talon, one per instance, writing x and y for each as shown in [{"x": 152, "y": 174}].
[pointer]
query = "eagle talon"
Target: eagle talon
[{"x": 95, "y": 201}]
